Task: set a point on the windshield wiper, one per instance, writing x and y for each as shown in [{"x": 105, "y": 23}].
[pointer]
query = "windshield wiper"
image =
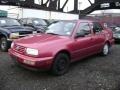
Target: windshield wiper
[
  {"x": 52, "y": 33},
  {"x": 40, "y": 25}
]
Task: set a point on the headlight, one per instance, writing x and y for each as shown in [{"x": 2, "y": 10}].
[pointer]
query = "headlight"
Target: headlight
[
  {"x": 31, "y": 51},
  {"x": 12, "y": 45},
  {"x": 14, "y": 35}
]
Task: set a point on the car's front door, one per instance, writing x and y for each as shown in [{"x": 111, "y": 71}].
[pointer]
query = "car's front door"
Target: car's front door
[{"x": 83, "y": 41}]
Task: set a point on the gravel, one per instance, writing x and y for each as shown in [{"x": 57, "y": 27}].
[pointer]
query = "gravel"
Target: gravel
[{"x": 93, "y": 73}]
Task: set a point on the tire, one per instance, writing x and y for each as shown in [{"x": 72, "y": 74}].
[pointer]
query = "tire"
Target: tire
[
  {"x": 105, "y": 50},
  {"x": 4, "y": 44},
  {"x": 61, "y": 64}
]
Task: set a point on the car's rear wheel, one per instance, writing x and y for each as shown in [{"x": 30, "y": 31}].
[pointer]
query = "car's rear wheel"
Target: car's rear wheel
[
  {"x": 3, "y": 44},
  {"x": 105, "y": 50},
  {"x": 60, "y": 64}
]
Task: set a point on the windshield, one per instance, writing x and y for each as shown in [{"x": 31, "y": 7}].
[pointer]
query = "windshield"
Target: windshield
[
  {"x": 9, "y": 22},
  {"x": 61, "y": 28},
  {"x": 39, "y": 22}
]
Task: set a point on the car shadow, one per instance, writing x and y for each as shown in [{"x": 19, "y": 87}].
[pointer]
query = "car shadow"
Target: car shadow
[{"x": 85, "y": 60}]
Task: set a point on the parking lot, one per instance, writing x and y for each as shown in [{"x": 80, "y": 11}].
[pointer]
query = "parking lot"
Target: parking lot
[{"x": 93, "y": 73}]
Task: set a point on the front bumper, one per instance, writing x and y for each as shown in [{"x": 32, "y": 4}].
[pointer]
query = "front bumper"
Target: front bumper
[{"x": 31, "y": 62}]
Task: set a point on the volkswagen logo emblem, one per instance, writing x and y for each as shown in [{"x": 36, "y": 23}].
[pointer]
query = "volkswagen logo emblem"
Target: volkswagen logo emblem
[{"x": 18, "y": 48}]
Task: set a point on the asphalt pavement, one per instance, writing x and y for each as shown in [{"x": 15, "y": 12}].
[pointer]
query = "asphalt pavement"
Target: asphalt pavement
[{"x": 93, "y": 73}]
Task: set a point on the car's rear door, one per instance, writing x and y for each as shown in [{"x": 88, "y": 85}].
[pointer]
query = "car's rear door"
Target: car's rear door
[{"x": 98, "y": 36}]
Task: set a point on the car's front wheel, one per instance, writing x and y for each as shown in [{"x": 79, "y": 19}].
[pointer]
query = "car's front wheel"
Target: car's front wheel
[
  {"x": 105, "y": 50},
  {"x": 61, "y": 64},
  {"x": 3, "y": 44}
]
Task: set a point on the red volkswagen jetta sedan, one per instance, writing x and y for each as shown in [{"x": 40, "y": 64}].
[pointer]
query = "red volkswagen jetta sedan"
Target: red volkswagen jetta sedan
[{"x": 64, "y": 42}]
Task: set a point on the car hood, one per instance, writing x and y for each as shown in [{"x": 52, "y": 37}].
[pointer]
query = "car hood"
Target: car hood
[
  {"x": 35, "y": 41},
  {"x": 16, "y": 28}
]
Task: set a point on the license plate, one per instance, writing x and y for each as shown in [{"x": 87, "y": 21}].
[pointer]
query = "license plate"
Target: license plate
[{"x": 29, "y": 62}]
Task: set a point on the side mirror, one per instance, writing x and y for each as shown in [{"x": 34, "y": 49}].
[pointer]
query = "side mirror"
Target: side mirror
[
  {"x": 96, "y": 30},
  {"x": 81, "y": 34}
]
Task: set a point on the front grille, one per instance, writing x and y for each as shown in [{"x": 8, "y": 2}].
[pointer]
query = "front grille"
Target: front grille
[{"x": 19, "y": 49}]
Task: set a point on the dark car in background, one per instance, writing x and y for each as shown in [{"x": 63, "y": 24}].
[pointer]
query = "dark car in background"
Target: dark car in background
[
  {"x": 11, "y": 29},
  {"x": 116, "y": 36},
  {"x": 37, "y": 24},
  {"x": 114, "y": 28},
  {"x": 116, "y": 32}
]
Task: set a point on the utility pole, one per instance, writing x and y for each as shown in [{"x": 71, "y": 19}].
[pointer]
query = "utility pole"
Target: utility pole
[{"x": 79, "y": 5}]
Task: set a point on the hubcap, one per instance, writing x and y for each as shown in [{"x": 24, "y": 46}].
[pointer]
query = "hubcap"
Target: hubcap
[
  {"x": 61, "y": 65},
  {"x": 105, "y": 49}
]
